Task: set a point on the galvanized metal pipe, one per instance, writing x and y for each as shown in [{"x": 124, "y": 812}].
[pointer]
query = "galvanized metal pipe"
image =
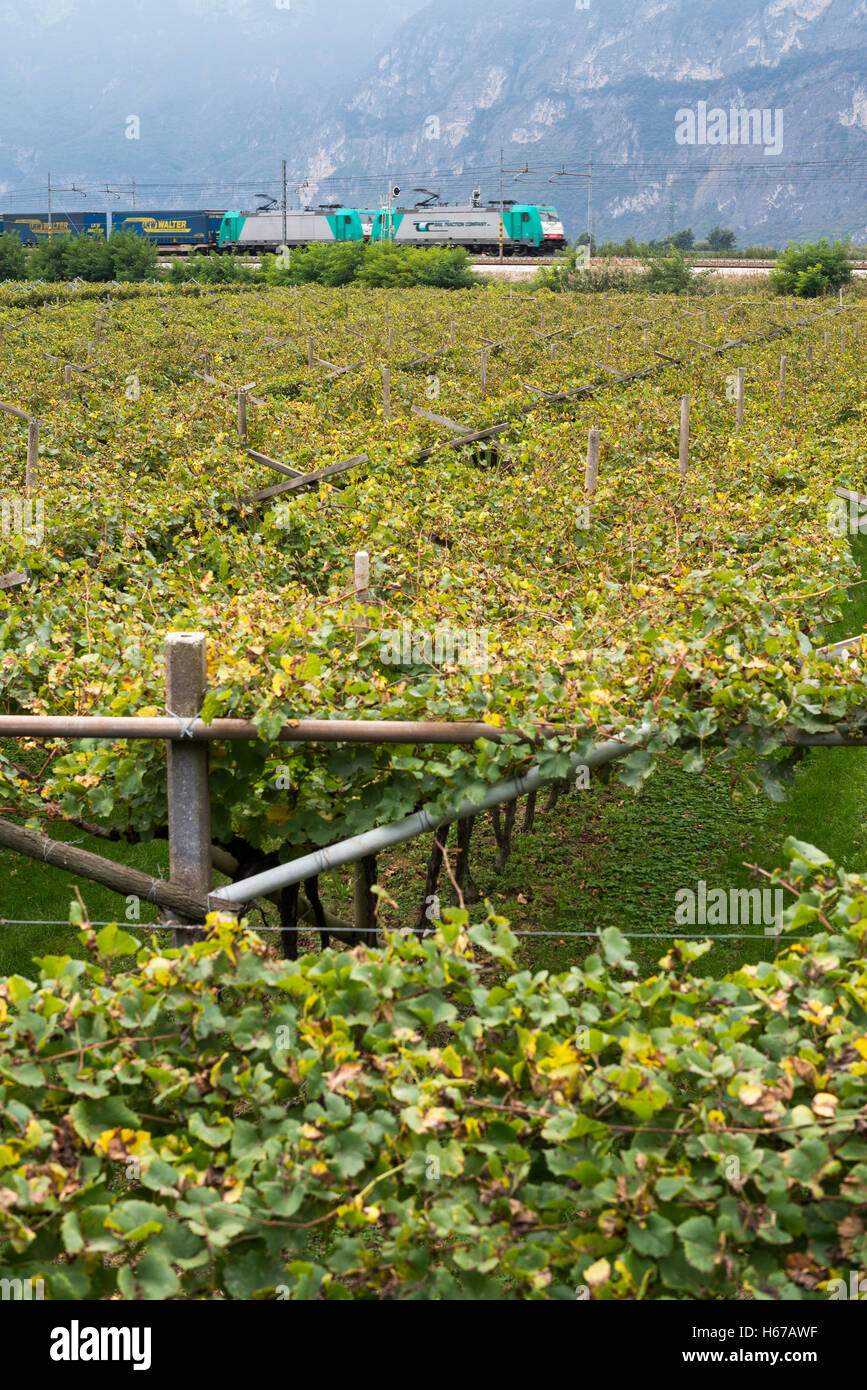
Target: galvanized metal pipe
[
  {"x": 238, "y": 730},
  {"x": 384, "y": 731},
  {"x": 421, "y": 823}
]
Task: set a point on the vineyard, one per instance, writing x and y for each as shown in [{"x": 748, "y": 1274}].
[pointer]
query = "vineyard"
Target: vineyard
[{"x": 550, "y": 537}]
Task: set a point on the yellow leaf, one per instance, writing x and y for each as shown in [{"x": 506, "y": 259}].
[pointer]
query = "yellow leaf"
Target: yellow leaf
[
  {"x": 598, "y": 1274},
  {"x": 750, "y": 1095},
  {"x": 825, "y": 1104}
]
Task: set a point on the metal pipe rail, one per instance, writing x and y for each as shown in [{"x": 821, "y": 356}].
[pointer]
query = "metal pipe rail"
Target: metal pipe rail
[
  {"x": 386, "y": 731},
  {"x": 422, "y": 822},
  {"x": 98, "y": 726}
]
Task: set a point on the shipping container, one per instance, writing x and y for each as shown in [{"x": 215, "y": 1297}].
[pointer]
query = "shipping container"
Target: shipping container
[
  {"x": 171, "y": 229},
  {"x": 33, "y": 227}
]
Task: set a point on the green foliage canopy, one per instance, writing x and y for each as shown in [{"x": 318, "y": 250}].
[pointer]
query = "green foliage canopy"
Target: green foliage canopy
[
  {"x": 811, "y": 269},
  {"x": 424, "y": 1122}
]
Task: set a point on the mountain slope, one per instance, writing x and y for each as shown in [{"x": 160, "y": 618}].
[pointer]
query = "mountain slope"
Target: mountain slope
[{"x": 427, "y": 94}]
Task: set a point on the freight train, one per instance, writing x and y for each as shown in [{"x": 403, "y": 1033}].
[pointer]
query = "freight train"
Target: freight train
[
  {"x": 263, "y": 231},
  {"x": 34, "y": 227},
  {"x": 198, "y": 230},
  {"x": 526, "y": 227}
]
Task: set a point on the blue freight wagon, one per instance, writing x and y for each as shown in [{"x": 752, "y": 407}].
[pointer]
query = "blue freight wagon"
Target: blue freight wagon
[
  {"x": 199, "y": 229},
  {"x": 34, "y": 227}
]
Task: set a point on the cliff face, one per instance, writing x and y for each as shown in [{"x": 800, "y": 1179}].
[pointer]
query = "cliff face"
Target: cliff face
[
  {"x": 657, "y": 91},
  {"x": 553, "y": 83}
]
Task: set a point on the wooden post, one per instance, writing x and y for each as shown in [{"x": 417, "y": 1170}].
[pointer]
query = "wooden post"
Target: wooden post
[
  {"x": 390, "y": 337},
  {"x": 242, "y": 416},
  {"x": 782, "y": 380},
  {"x": 362, "y": 907},
  {"x": 742, "y": 372},
  {"x": 386, "y": 393},
  {"x": 187, "y": 770},
  {"x": 67, "y": 374},
  {"x": 310, "y": 353},
  {"x": 842, "y": 340},
  {"x": 810, "y": 354},
  {"x": 684, "y": 436},
  {"x": 363, "y": 902},
  {"x": 31, "y": 475},
  {"x": 361, "y": 582},
  {"x": 827, "y": 339},
  {"x": 452, "y": 333},
  {"x": 591, "y": 472},
  {"x": 483, "y": 371},
  {"x": 552, "y": 346},
  {"x": 645, "y": 337}
]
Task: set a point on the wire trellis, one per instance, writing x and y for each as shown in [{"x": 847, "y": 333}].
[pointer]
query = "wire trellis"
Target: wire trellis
[{"x": 377, "y": 931}]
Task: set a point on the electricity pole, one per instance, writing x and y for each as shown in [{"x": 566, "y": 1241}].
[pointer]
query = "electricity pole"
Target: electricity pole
[
  {"x": 502, "y": 204},
  {"x": 116, "y": 193},
  {"x": 283, "y": 207},
  {"x": 72, "y": 189},
  {"x": 564, "y": 173},
  {"x": 518, "y": 173}
]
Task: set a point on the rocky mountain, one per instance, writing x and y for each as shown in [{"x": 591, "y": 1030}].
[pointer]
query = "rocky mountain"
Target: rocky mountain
[{"x": 750, "y": 112}]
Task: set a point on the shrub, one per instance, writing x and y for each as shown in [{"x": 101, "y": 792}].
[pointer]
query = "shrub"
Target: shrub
[
  {"x": 444, "y": 267},
  {"x": 599, "y": 278},
  {"x": 320, "y": 264},
  {"x": 95, "y": 259},
  {"x": 133, "y": 258},
  {"x": 668, "y": 274},
  {"x": 811, "y": 270},
  {"x": 213, "y": 270},
  {"x": 13, "y": 259},
  {"x": 721, "y": 238},
  {"x": 50, "y": 260},
  {"x": 424, "y": 1121},
  {"x": 374, "y": 265}
]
